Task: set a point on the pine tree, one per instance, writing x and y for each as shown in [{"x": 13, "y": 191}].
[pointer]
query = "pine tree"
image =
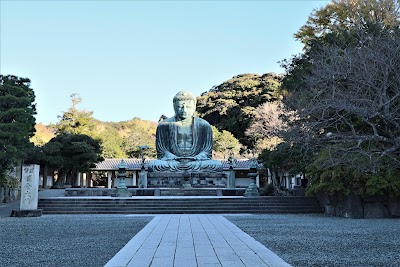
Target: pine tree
[{"x": 17, "y": 123}]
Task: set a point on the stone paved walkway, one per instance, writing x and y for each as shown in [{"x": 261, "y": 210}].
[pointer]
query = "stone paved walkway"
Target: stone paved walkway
[{"x": 194, "y": 240}]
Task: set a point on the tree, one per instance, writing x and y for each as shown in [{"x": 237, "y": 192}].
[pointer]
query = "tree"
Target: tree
[
  {"x": 349, "y": 15},
  {"x": 74, "y": 121},
  {"x": 283, "y": 158},
  {"x": 111, "y": 142},
  {"x": 268, "y": 123},
  {"x": 231, "y": 105},
  {"x": 139, "y": 133},
  {"x": 117, "y": 139},
  {"x": 71, "y": 153},
  {"x": 345, "y": 88},
  {"x": 43, "y": 134},
  {"x": 17, "y": 121},
  {"x": 351, "y": 99},
  {"x": 224, "y": 143}
]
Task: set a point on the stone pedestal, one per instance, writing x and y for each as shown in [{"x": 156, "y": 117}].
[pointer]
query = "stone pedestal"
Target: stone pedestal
[
  {"x": 196, "y": 180},
  {"x": 252, "y": 190},
  {"x": 186, "y": 185},
  {"x": 27, "y": 213},
  {"x": 185, "y": 180},
  {"x": 231, "y": 178},
  {"x": 122, "y": 192},
  {"x": 142, "y": 179},
  {"x": 29, "y": 193}
]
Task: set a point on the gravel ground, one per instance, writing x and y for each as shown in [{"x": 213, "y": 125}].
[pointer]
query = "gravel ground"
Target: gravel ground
[
  {"x": 65, "y": 240},
  {"x": 318, "y": 240},
  {"x": 301, "y": 240}
]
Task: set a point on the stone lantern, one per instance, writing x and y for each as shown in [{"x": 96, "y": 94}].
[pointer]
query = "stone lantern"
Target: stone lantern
[
  {"x": 142, "y": 175},
  {"x": 252, "y": 190},
  {"x": 122, "y": 190},
  {"x": 232, "y": 163}
]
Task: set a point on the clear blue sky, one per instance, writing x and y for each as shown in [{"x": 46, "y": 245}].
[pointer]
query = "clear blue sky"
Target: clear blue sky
[{"x": 128, "y": 59}]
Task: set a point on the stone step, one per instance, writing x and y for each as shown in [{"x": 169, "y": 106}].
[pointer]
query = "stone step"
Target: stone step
[
  {"x": 170, "y": 207},
  {"x": 153, "y": 210},
  {"x": 162, "y": 199},
  {"x": 201, "y": 208},
  {"x": 181, "y": 205},
  {"x": 179, "y": 208},
  {"x": 277, "y": 211},
  {"x": 178, "y": 204}
]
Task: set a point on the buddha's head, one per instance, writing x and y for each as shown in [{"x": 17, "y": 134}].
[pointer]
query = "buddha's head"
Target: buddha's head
[{"x": 184, "y": 105}]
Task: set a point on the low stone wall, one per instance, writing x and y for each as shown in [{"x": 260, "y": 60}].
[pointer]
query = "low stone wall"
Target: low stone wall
[
  {"x": 75, "y": 192},
  {"x": 197, "y": 180},
  {"x": 9, "y": 194},
  {"x": 233, "y": 192},
  {"x": 354, "y": 206}
]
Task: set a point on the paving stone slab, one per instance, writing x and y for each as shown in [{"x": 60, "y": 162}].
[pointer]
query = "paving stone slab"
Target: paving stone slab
[{"x": 194, "y": 240}]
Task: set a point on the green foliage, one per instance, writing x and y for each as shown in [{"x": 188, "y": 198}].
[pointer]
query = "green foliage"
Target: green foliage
[
  {"x": 349, "y": 15},
  {"x": 72, "y": 153},
  {"x": 74, "y": 121},
  {"x": 223, "y": 143},
  {"x": 10, "y": 181},
  {"x": 52, "y": 154},
  {"x": 231, "y": 105},
  {"x": 139, "y": 133},
  {"x": 117, "y": 139},
  {"x": 343, "y": 116},
  {"x": 383, "y": 183},
  {"x": 268, "y": 190},
  {"x": 43, "y": 134},
  {"x": 344, "y": 88},
  {"x": 286, "y": 157},
  {"x": 35, "y": 155},
  {"x": 341, "y": 179},
  {"x": 16, "y": 121},
  {"x": 111, "y": 142}
]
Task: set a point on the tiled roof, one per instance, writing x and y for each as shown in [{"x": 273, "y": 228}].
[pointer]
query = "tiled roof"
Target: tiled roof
[{"x": 135, "y": 164}]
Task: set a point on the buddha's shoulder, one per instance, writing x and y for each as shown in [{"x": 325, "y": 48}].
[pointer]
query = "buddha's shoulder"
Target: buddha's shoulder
[
  {"x": 197, "y": 120},
  {"x": 201, "y": 121},
  {"x": 168, "y": 120}
]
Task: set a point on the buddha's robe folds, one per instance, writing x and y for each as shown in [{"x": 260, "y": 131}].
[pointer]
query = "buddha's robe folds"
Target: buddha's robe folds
[{"x": 171, "y": 157}]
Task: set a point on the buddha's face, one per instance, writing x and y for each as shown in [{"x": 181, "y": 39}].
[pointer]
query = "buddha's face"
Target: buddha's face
[{"x": 184, "y": 109}]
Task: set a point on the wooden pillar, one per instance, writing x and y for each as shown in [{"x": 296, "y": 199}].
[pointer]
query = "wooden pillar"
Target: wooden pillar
[
  {"x": 258, "y": 180},
  {"x": 44, "y": 182},
  {"x": 134, "y": 175},
  {"x": 84, "y": 178},
  {"x": 78, "y": 179},
  {"x": 113, "y": 178},
  {"x": 89, "y": 180}
]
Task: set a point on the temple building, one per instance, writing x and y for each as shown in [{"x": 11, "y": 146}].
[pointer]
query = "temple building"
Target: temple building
[
  {"x": 107, "y": 171},
  {"x": 110, "y": 168}
]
